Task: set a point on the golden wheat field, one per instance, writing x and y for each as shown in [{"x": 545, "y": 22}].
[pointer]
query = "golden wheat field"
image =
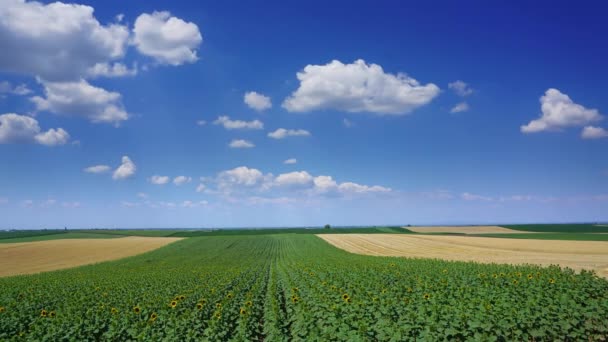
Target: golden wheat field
[
  {"x": 466, "y": 230},
  {"x": 41, "y": 256},
  {"x": 578, "y": 255}
]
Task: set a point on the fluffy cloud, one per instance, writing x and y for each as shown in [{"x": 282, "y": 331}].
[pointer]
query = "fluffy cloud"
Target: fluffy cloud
[
  {"x": 241, "y": 179},
  {"x": 290, "y": 161},
  {"x": 240, "y": 143},
  {"x": 53, "y": 137},
  {"x": 111, "y": 70},
  {"x": 460, "y": 107},
  {"x": 241, "y": 175},
  {"x": 56, "y": 41},
  {"x": 16, "y": 128},
  {"x": 257, "y": 101},
  {"x": 159, "y": 180},
  {"x": 7, "y": 88},
  {"x": 327, "y": 185},
  {"x": 126, "y": 169},
  {"x": 200, "y": 188},
  {"x": 558, "y": 112},
  {"x": 238, "y": 124},
  {"x": 244, "y": 180},
  {"x": 591, "y": 132},
  {"x": 324, "y": 184},
  {"x": 81, "y": 99},
  {"x": 167, "y": 39},
  {"x": 282, "y": 133},
  {"x": 179, "y": 180},
  {"x": 97, "y": 169},
  {"x": 296, "y": 178},
  {"x": 357, "y": 87},
  {"x": 460, "y": 88}
]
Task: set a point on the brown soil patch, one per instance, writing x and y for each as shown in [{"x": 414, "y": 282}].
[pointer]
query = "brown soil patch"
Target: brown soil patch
[
  {"x": 42, "y": 256},
  {"x": 466, "y": 230},
  {"x": 578, "y": 255}
]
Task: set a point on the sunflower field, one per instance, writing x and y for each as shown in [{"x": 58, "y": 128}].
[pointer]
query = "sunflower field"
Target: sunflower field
[{"x": 295, "y": 288}]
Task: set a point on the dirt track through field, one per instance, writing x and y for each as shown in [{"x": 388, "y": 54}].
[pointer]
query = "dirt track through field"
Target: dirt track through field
[
  {"x": 41, "y": 256},
  {"x": 466, "y": 230},
  {"x": 578, "y": 255}
]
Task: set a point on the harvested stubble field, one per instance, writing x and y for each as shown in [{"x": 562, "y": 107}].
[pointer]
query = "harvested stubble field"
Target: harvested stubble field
[
  {"x": 40, "y": 256},
  {"x": 578, "y": 255},
  {"x": 465, "y": 230}
]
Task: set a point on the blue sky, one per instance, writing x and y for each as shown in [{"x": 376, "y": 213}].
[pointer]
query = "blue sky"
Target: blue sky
[{"x": 392, "y": 113}]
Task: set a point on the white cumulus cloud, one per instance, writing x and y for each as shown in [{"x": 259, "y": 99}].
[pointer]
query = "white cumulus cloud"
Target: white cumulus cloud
[
  {"x": 126, "y": 169},
  {"x": 238, "y": 124},
  {"x": 159, "y": 180},
  {"x": 591, "y": 132},
  {"x": 80, "y": 98},
  {"x": 111, "y": 70},
  {"x": 180, "y": 180},
  {"x": 15, "y": 128},
  {"x": 460, "y": 107},
  {"x": 461, "y": 88},
  {"x": 240, "y": 177},
  {"x": 244, "y": 180},
  {"x": 56, "y": 41},
  {"x": 97, "y": 169},
  {"x": 257, "y": 101},
  {"x": 240, "y": 143},
  {"x": 296, "y": 178},
  {"x": 327, "y": 185},
  {"x": 53, "y": 137},
  {"x": 558, "y": 112},
  {"x": 167, "y": 39},
  {"x": 290, "y": 161},
  {"x": 358, "y": 87},
  {"x": 282, "y": 133}
]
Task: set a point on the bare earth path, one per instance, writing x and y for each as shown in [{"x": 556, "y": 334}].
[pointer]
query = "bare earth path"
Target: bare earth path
[
  {"x": 578, "y": 255},
  {"x": 41, "y": 256},
  {"x": 466, "y": 230}
]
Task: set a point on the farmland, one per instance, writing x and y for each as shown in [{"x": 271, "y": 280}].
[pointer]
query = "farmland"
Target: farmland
[
  {"x": 298, "y": 287},
  {"x": 53, "y": 254},
  {"x": 578, "y": 255},
  {"x": 466, "y": 230}
]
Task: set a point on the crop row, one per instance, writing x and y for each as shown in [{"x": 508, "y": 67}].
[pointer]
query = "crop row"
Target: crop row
[{"x": 297, "y": 287}]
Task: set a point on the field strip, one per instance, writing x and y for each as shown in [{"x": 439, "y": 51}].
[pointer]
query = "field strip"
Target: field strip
[
  {"x": 466, "y": 230},
  {"x": 40, "y": 256},
  {"x": 578, "y": 255}
]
